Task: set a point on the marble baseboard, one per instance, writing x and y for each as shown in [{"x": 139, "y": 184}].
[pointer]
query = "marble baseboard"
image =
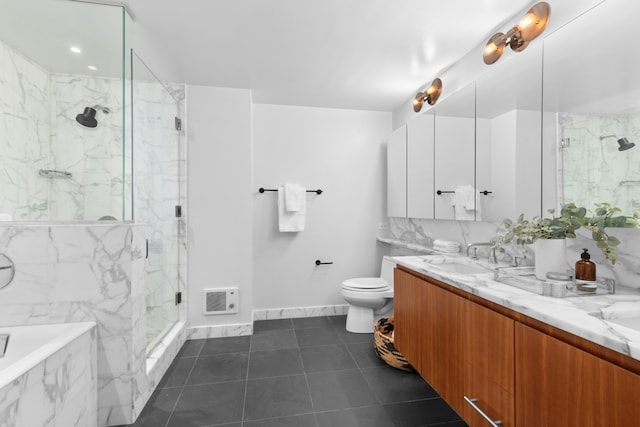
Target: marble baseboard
[
  {"x": 219, "y": 331},
  {"x": 239, "y": 329},
  {"x": 295, "y": 312}
]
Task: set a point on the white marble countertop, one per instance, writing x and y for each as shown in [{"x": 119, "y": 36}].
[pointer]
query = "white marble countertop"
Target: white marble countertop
[{"x": 611, "y": 320}]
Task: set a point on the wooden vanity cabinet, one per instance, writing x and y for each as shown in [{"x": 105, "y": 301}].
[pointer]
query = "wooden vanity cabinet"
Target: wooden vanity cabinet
[
  {"x": 559, "y": 385},
  {"x": 488, "y": 370},
  {"x": 520, "y": 371}
]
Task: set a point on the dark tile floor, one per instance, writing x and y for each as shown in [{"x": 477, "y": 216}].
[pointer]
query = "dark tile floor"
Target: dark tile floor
[{"x": 305, "y": 372}]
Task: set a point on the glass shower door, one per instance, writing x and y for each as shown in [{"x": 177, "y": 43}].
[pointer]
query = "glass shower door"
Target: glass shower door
[{"x": 155, "y": 186}]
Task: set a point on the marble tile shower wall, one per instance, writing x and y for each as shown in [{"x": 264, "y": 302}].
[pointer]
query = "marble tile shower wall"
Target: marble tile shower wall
[
  {"x": 39, "y": 131},
  {"x": 79, "y": 272},
  {"x": 24, "y": 94},
  {"x": 92, "y": 155},
  {"x": 626, "y": 271}
]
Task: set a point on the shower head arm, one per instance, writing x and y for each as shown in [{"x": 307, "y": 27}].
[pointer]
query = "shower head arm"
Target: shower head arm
[{"x": 105, "y": 110}]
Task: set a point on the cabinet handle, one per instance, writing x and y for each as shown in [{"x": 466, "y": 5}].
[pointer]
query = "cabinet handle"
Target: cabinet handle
[{"x": 472, "y": 402}]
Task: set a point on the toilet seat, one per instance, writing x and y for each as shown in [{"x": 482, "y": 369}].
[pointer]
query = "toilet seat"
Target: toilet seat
[
  {"x": 376, "y": 290},
  {"x": 365, "y": 283}
]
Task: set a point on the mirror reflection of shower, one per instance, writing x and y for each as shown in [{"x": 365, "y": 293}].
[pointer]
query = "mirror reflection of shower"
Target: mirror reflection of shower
[
  {"x": 88, "y": 117},
  {"x": 623, "y": 143}
]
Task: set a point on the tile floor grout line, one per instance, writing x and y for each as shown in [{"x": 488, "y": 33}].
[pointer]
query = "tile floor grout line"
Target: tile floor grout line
[
  {"x": 246, "y": 379},
  {"x": 175, "y": 404}
]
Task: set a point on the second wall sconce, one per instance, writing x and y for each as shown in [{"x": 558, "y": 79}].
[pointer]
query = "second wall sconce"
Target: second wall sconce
[
  {"x": 430, "y": 95},
  {"x": 530, "y": 26}
]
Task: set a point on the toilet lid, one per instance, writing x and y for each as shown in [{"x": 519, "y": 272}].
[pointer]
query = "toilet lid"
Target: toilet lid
[{"x": 368, "y": 283}]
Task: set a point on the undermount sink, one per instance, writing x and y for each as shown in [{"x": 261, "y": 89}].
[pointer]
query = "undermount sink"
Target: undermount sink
[
  {"x": 453, "y": 265},
  {"x": 627, "y": 315},
  {"x": 460, "y": 268}
]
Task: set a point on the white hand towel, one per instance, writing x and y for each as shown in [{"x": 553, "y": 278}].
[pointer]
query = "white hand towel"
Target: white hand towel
[
  {"x": 466, "y": 203},
  {"x": 5, "y": 217},
  {"x": 289, "y": 221},
  {"x": 294, "y": 197}
]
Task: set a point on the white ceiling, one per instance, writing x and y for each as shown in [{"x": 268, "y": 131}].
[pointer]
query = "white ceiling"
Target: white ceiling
[{"x": 354, "y": 54}]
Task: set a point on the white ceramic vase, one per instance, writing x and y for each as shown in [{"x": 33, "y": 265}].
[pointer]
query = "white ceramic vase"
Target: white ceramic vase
[{"x": 550, "y": 256}]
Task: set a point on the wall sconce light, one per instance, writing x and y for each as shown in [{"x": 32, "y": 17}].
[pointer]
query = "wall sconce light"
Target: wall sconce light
[
  {"x": 431, "y": 95},
  {"x": 623, "y": 143},
  {"x": 530, "y": 26}
]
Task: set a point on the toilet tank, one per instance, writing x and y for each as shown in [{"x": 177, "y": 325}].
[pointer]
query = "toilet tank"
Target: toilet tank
[{"x": 386, "y": 270}]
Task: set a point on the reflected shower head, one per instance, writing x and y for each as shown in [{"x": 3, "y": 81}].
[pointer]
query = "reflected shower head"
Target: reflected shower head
[
  {"x": 88, "y": 117},
  {"x": 623, "y": 143}
]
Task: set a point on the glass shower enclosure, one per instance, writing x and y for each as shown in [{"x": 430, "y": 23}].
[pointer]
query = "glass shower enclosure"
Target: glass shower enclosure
[
  {"x": 87, "y": 133},
  {"x": 156, "y": 193}
]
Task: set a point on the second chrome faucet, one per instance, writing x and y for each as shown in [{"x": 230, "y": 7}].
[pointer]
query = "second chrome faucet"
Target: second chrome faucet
[{"x": 492, "y": 253}]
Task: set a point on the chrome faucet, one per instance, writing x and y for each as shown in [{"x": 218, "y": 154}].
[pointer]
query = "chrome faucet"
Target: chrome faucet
[
  {"x": 4, "y": 341},
  {"x": 492, "y": 256}
]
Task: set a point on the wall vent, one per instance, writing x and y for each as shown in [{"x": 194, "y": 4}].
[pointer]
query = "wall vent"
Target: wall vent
[{"x": 221, "y": 301}]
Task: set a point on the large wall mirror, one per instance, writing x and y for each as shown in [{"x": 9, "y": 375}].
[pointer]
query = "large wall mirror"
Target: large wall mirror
[
  {"x": 455, "y": 153},
  {"x": 592, "y": 109},
  {"x": 508, "y": 136}
]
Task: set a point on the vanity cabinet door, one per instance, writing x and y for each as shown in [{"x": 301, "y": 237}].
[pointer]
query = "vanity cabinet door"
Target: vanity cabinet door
[
  {"x": 489, "y": 365},
  {"x": 397, "y": 173},
  {"x": 559, "y": 385},
  {"x": 428, "y": 332},
  {"x": 410, "y": 297}
]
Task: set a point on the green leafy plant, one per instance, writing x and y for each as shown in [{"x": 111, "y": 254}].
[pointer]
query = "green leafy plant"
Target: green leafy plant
[{"x": 523, "y": 231}]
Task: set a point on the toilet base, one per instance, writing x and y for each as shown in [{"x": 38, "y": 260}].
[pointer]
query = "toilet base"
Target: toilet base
[{"x": 361, "y": 320}]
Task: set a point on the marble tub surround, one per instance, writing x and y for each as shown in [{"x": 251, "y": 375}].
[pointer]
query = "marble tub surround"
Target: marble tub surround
[
  {"x": 58, "y": 388},
  {"x": 583, "y": 316},
  {"x": 85, "y": 272}
]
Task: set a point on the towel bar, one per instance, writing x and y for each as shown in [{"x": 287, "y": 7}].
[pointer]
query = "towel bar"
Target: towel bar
[
  {"x": 262, "y": 190},
  {"x": 440, "y": 192}
]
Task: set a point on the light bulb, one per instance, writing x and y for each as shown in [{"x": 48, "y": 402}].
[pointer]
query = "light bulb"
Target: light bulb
[{"x": 527, "y": 20}]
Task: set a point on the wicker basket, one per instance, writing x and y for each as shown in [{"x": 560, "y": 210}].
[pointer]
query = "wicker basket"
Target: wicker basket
[{"x": 383, "y": 344}]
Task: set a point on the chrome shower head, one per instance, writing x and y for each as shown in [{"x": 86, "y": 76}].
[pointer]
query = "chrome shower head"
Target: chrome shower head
[
  {"x": 624, "y": 144},
  {"x": 88, "y": 117}
]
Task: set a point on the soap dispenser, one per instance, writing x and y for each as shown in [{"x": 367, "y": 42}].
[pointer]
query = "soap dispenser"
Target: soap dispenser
[{"x": 585, "y": 268}]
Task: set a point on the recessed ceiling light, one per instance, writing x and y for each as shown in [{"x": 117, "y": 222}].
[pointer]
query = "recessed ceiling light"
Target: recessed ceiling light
[
  {"x": 75, "y": 49},
  {"x": 92, "y": 67}
]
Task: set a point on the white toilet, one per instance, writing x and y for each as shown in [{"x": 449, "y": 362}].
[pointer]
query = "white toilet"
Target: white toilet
[{"x": 369, "y": 298}]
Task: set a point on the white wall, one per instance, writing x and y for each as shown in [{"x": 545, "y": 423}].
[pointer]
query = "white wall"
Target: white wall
[
  {"x": 219, "y": 199},
  {"x": 341, "y": 152}
]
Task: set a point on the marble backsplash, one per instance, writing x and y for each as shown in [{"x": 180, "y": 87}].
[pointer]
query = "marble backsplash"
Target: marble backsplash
[{"x": 422, "y": 232}]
